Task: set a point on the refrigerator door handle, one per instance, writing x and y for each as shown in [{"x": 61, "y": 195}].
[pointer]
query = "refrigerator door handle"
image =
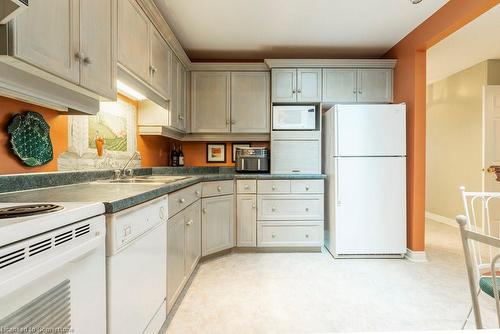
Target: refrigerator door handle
[{"x": 337, "y": 189}]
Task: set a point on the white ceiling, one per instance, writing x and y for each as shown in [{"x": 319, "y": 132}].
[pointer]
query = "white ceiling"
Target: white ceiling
[
  {"x": 257, "y": 29},
  {"x": 477, "y": 41}
]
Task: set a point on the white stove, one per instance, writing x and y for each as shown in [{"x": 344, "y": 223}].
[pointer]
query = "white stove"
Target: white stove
[
  {"x": 19, "y": 225},
  {"x": 52, "y": 267}
]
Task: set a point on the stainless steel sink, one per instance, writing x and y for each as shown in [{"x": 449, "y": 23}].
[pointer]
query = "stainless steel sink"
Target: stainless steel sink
[{"x": 150, "y": 179}]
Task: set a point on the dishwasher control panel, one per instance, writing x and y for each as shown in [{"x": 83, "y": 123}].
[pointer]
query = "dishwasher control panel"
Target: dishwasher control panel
[{"x": 125, "y": 226}]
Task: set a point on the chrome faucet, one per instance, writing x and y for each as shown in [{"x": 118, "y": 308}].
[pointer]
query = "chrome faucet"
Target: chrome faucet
[{"x": 123, "y": 171}]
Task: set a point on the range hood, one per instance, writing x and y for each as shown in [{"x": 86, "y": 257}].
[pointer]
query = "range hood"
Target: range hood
[{"x": 10, "y": 8}]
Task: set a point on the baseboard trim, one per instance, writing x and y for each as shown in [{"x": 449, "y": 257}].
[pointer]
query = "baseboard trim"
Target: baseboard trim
[
  {"x": 441, "y": 219},
  {"x": 415, "y": 256}
]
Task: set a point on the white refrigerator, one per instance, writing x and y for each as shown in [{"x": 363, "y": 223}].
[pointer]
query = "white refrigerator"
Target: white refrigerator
[{"x": 365, "y": 160}]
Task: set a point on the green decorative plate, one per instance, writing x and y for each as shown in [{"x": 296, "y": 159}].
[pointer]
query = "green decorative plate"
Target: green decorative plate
[{"x": 30, "y": 138}]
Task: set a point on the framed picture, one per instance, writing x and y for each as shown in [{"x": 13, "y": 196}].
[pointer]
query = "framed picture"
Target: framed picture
[
  {"x": 235, "y": 146},
  {"x": 216, "y": 152}
]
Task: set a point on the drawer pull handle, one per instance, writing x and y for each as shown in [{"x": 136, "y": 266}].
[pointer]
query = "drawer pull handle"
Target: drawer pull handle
[
  {"x": 307, "y": 235},
  {"x": 219, "y": 188},
  {"x": 273, "y": 236},
  {"x": 182, "y": 200},
  {"x": 188, "y": 223}
]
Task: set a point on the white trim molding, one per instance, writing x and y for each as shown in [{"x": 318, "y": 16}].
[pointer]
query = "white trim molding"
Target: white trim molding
[
  {"x": 346, "y": 63},
  {"x": 441, "y": 219},
  {"x": 415, "y": 256}
]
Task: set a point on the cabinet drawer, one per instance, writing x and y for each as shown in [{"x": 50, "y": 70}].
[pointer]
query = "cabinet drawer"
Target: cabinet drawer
[
  {"x": 181, "y": 199},
  {"x": 291, "y": 207},
  {"x": 246, "y": 186},
  {"x": 307, "y": 186},
  {"x": 282, "y": 234},
  {"x": 273, "y": 186},
  {"x": 217, "y": 188}
]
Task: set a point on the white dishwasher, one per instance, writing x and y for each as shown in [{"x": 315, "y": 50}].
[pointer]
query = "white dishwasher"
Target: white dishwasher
[{"x": 136, "y": 252}]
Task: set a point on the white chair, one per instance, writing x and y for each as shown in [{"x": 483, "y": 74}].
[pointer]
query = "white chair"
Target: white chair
[{"x": 481, "y": 242}]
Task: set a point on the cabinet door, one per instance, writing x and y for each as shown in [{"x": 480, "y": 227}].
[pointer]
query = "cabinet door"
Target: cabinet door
[
  {"x": 210, "y": 102},
  {"x": 47, "y": 36},
  {"x": 375, "y": 85},
  {"x": 133, "y": 39},
  {"x": 309, "y": 85},
  {"x": 176, "y": 276},
  {"x": 192, "y": 218},
  {"x": 181, "y": 110},
  {"x": 160, "y": 63},
  {"x": 250, "y": 103},
  {"x": 98, "y": 46},
  {"x": 339, "y": 85},
  {"x": 284, "y": 81},
  {"x": 246, "y": 221},
  {"x": 217, "y": 224}
]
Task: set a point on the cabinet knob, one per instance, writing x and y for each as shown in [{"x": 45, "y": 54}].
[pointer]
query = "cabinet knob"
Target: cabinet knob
[
  {"x": 307, "y": 188},
  {"x": 204, "y": 210},
  {"x": 307, "y": 209},
  {"x": 253, "y": 206},
  {"x": 273, "y": 187},
  {"x": 307, "y": 235},
  {"x": 197, "y": 192},
  {"x": 79, "y": 55},
  {"x": 360, "y": 92},
  {"x": 233, "y": 121},
  {"x": 87, "y": 61},
  {"x": 152, "y": 68},
  {"x": 219, "y": 188},
  {"x": 273, "y": 236},
  {"x": 293, "y": 91},
  {"x": 273, "y": 209},
  {"x": 299, "y": 91},
  {"x": 189, "y": 222},
  {"x": 227, "y": 122},
  {"x": 247, "y": 187},
  {"x": 182, "y": 200},
  {"x": 354, "y": 91}
]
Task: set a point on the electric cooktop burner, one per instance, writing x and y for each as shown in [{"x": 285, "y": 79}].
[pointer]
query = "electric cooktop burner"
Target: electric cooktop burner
[{"x": 28, "y": 210}]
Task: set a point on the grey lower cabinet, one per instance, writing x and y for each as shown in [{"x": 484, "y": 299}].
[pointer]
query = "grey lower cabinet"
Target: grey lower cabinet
[
  {"x": 280, "y": 213},
  {"x": 183, "y": 249},
  {"x": 218, "y": 232}
]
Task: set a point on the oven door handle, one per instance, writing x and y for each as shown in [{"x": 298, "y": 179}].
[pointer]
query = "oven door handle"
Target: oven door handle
[{"x": 30, "y": 272}]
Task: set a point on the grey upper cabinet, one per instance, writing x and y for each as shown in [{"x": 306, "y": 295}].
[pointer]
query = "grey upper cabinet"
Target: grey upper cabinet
[
  {"x": 210, "y": 101},
  {"x": 296, "y": 85},
  {"x": 369, "y": 85},
  {"x": 374, "y": 85},
  {"x": 308, "y": 84},
  {"x": 177, "y": 101},
  {"x": 339, "y": 85},
  {"x": 98, "y": 46},
  {"x": 160, "y": 66},
  {"x": 47, "y": 36},
  {"x": 74, "y": 40},
  {"x": 133, "y": 39},
  {"x": 284, "y": 81},
  {"x": 250, "y": 102}
]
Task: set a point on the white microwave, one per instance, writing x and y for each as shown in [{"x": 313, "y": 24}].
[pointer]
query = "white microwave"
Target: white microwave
[{"x": 294, "y": 118}]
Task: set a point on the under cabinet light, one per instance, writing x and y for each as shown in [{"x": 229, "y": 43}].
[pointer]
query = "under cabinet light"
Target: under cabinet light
[{"x": 129, "y": 91}]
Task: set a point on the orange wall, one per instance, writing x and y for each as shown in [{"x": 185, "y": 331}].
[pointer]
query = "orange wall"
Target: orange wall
[
  {"x": 154, "y": 149},
  {"x": 409, "y": 87},
  {"x": 195, "y": 153},
  {"x": 9, "y": 163}
]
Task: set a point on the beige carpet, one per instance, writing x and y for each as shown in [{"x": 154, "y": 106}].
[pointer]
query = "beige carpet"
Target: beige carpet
[{"x": 312, "y": 292}]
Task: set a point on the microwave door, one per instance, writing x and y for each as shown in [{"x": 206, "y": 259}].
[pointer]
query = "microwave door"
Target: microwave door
[{"x": 294, "y": 118}]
